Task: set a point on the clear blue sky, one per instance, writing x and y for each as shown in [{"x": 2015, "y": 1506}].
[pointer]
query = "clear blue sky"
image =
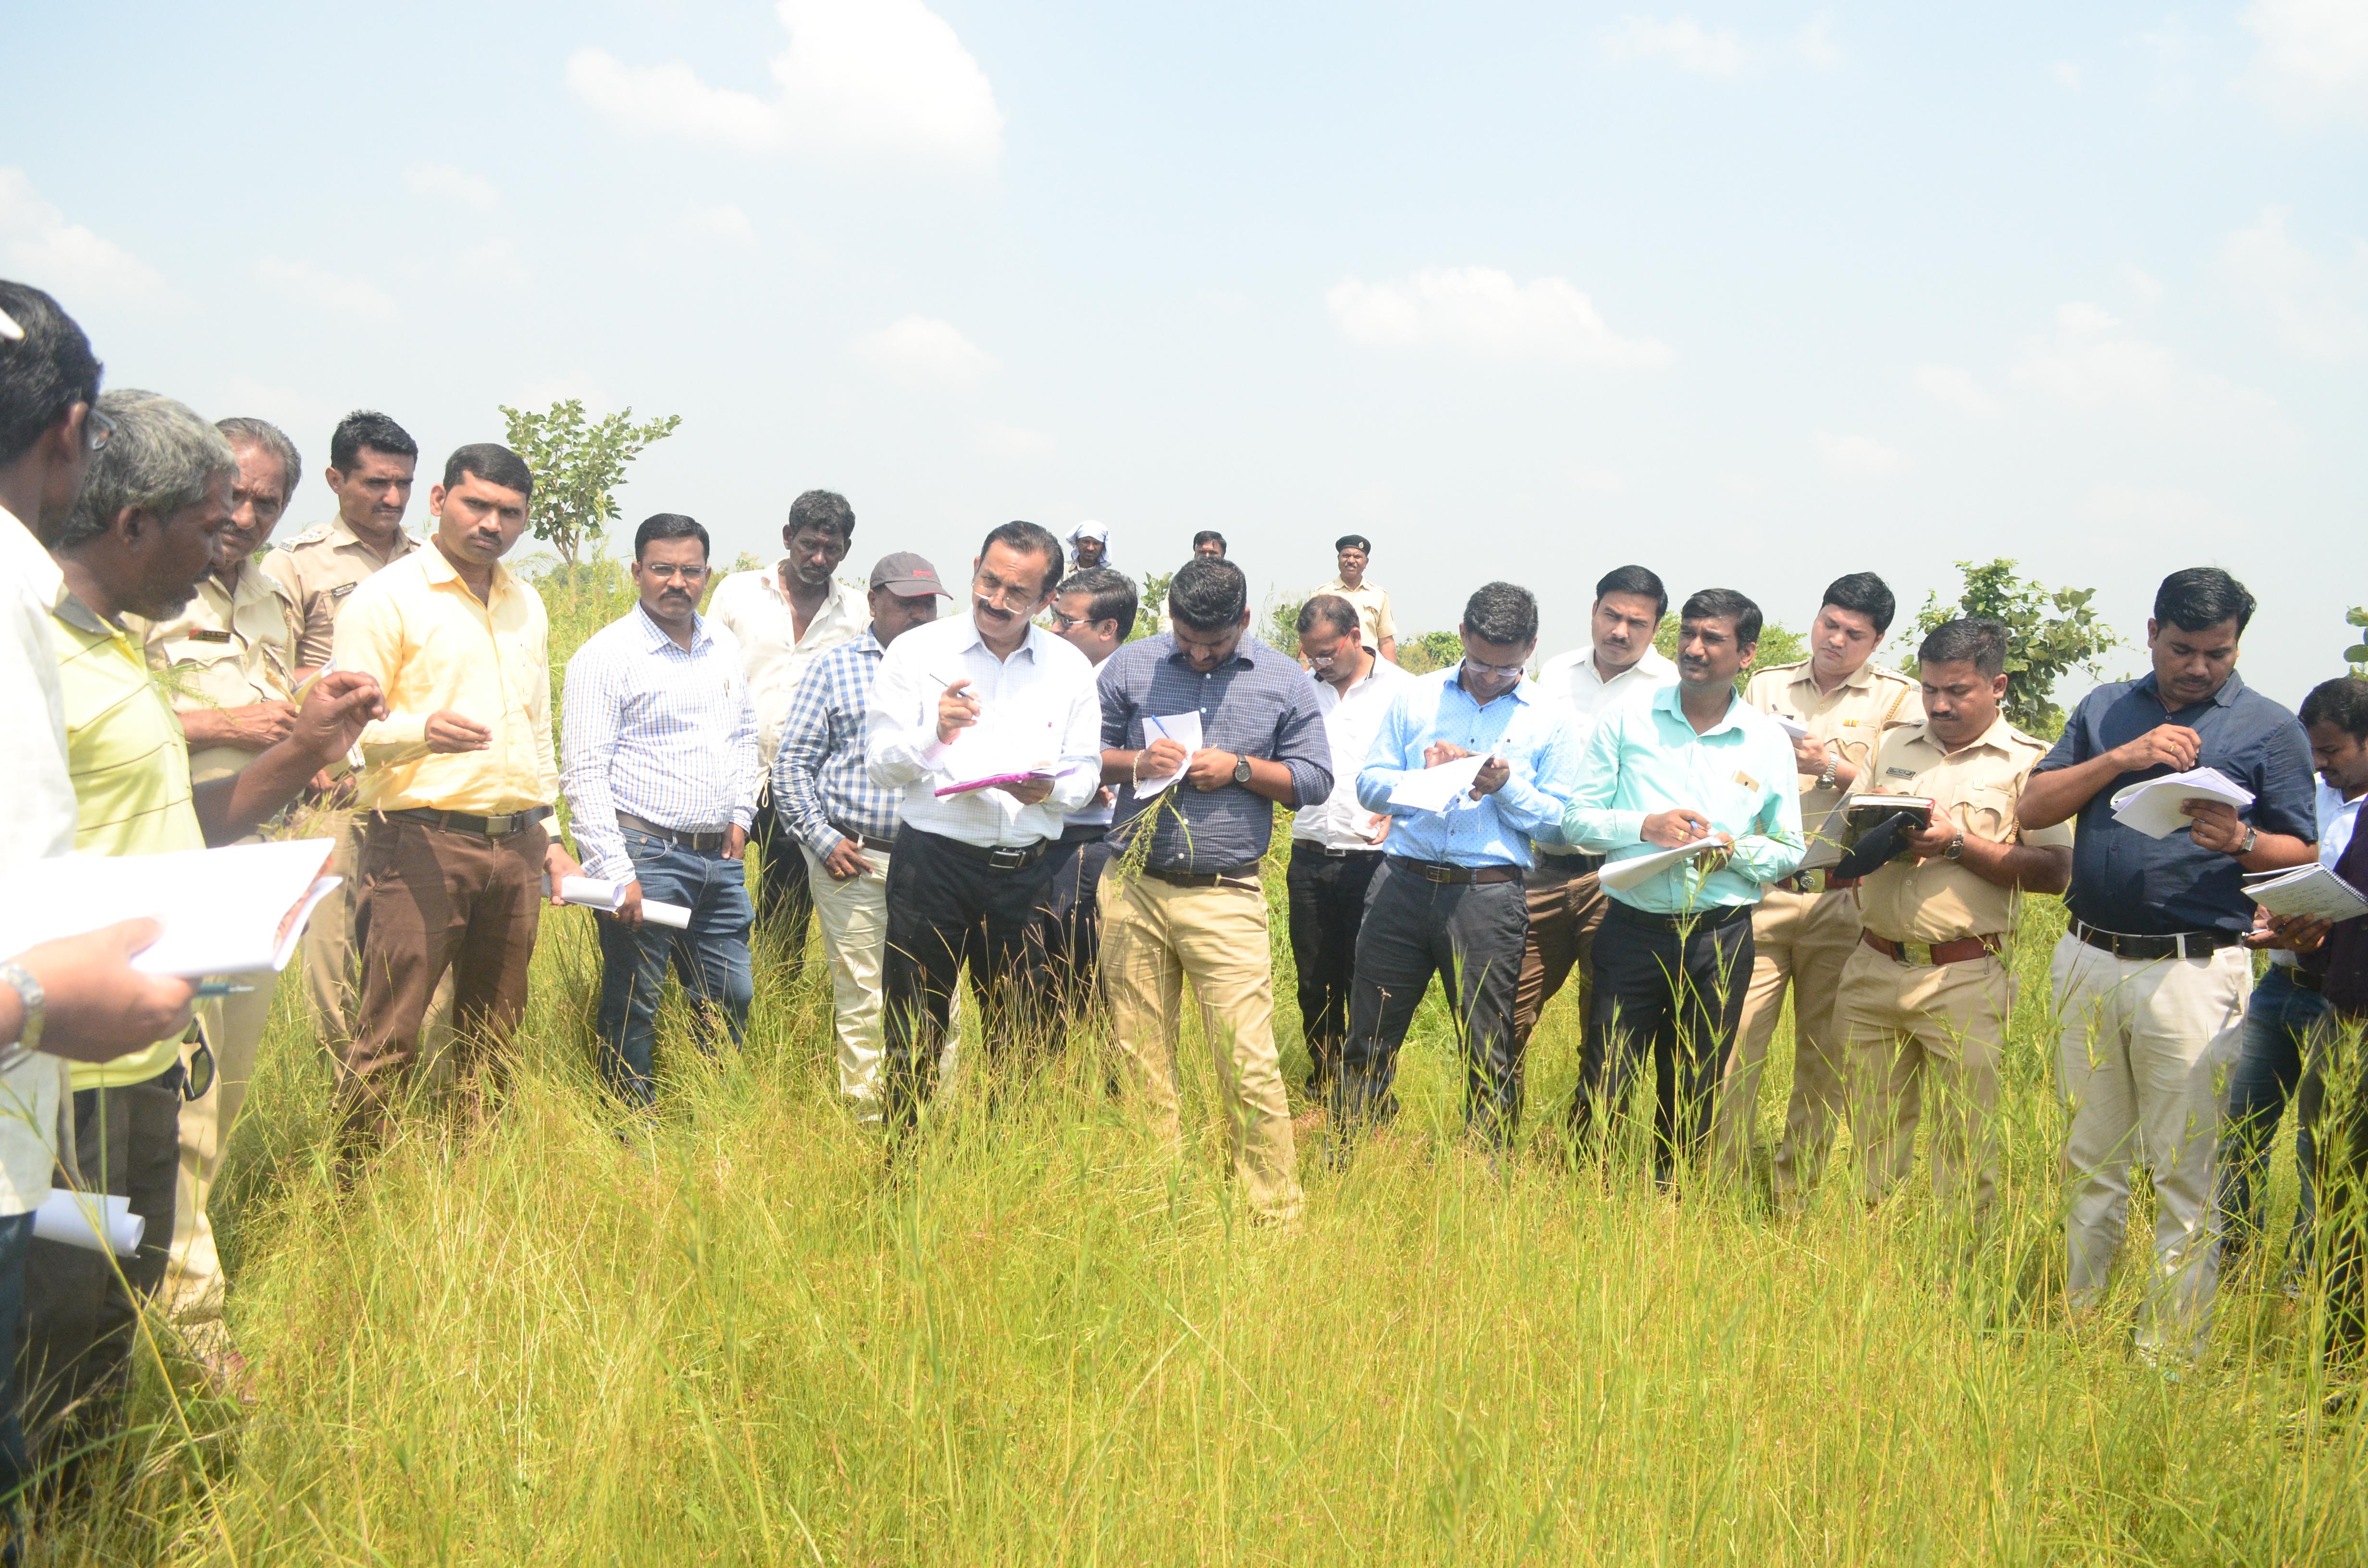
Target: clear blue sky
[{"x": 1753, "y": 294}]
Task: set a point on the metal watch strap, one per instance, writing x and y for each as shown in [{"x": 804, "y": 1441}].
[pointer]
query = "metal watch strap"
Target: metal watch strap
[
  {"x": 2252, "y": 837},
  {"x": 1956, "y": 850},
  {"x": 34, "y": 1000}
]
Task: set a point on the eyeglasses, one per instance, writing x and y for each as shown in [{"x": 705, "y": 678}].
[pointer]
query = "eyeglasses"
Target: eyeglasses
[
  {"x": 1500, "y": 670},
  {"x": 97, "y": 430},
  {"x": 1003, "y": 596},
  {"x": 1063, "y": 622},
  {"x": 667, "y": 572}
]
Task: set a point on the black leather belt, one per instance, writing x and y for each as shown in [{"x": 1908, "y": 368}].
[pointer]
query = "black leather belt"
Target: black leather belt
[
  {"x": 864, "y": 840},
  {"x": 461, "y": 821},
  {"x": 1573, "y": 865},
  {"x": 2307, "y": 979},
  {"x": 1002, "y": 858},
  {"x": 700, "y": 843},
  {"x": 2182, "y": 945},
  {"x": 1439, "y": 871},
  {"x": 1715, "y": 915},
  {"x": 1203, "y": 879},
  {"x": 1309, "y": 846}
]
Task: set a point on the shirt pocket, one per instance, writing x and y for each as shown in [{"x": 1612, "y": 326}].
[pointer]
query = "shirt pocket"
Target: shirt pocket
[{"x": 1988, "y": 812}]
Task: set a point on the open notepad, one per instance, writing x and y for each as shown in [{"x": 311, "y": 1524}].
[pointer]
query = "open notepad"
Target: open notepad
[
  {"x": 2153, "y": 807},
  {"x": 233, "y": 911},
  {"x": 1184, "y": 729},
  {"x": 2313, "y": 891}
]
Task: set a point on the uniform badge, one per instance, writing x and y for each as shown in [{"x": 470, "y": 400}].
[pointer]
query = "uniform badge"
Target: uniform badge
[
  {"x": 1899, "y": 773},
  {"x": 206, "y": 634},
  {"x": 1748, "y": 781},
  {"x": 342, "y": 589}
]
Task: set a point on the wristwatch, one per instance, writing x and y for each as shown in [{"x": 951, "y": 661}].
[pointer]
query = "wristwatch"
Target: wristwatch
[
  {"x": 1241, "y": 768},
  {"x": 2252, "y": 837},
  {"x": 35, "y": 1002},
  {"x": 1956, "y": 846},
  {"x": 1833, "y": 770}
]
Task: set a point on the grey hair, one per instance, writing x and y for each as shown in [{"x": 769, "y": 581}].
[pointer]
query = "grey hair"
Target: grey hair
[
  {"x": 240, "y": 430},
  {"x": 162, "y": 459}
]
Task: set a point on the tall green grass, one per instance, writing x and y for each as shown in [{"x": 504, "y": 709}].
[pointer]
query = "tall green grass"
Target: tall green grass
[{"x": 732, "y": 1336}]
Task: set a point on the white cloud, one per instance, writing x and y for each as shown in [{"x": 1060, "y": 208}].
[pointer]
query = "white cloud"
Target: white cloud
[
  {"x": 1816, "y": 43},
  {"x": 39, "y": 247},
  {"x": 496, "y": 263},
  {"x": 2150, "y": 506},
  {"x": 2084, "y": 318},
  {"x": 861, "y": 79},
  {"x": 1857, "y": 457},
  {"x": 1684, "y": 43},
  {"x": 1011, "y": 443},
  {"x": 2149, "y": 290},
  {"x": 329, "y": 291},
  {"x": 1479, "y": 310},
  {"x": 2303, "y": 297},
  {"x": 455, "y": 184},
  {"x": 923, "y": 350},
  {"x": 2090, "y": 365},
  {"x": 1954, "y": 387},
  {"x": 725, "y": 222},
  {"x": 2067, "y": 73},
  {"x": 2313, "y": 59}
]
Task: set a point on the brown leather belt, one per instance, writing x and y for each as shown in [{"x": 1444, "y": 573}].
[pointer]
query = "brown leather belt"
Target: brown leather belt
[
  {"x": 863, "y": 840},
  {"x": 1458, "y": 876},
  {"x": 1182, "y": 878},
  {"x": 461, "y": 821},
  {"x": 699, "y": 843},
  {"x": 1817, "y": 882},
  {"x": 1964, "y": 951}
]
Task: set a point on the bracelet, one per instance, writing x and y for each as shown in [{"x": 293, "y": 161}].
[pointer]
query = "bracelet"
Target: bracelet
[{"x": 1135, "y": 774}]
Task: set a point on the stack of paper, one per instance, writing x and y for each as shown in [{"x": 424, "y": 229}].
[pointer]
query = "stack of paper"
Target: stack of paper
[
  {"x": 1184, "y": 729},
  {"x": 1791, "y": 726},
  {"x": 594, "y": 893},
  {"x": 1619, "y": 876},
  {"x": 1436, "y": 789},
  {"x": 2313, "y": 891},
  {"x": 2152, "y": 807},
  {"x": 72, "y": 1218},
  {"x": 234, "y": 910}
]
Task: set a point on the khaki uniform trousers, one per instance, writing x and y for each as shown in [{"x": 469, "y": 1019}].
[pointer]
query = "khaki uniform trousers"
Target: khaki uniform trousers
[
  {"x": 1154, "y": 936},
  {"x": 1904, "y": 1025},
  {"x": 333, "y": 964},
  {"x": 2145, "y": 1042},
  {"x": 233, "y": 1028},
  {"x": 1801, "y": 940},
  {"x": 854, "y": 918}
]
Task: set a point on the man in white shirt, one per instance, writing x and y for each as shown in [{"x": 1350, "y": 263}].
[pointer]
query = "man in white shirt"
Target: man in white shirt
[
  {"x": 985, "y": 695},
  {"x": 1092, "y": 611},
  {"x": 1335, "y": 847},
  {"x": 1567, "y": 904},
  {"x": 785, "y": 616}
]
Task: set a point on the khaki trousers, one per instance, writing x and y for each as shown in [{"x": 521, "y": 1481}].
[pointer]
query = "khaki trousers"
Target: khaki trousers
[
  {"x": 233, "y": 1030},
  {"x": 854, "y": 918},
  {"x": 2142, "y": 1043},
  {"x": 332, "y": 966},
  {"x": 1800, "y": 940},
  {"x": 1154, "y": 936},
  {"x": 1903, "y": 1024}
]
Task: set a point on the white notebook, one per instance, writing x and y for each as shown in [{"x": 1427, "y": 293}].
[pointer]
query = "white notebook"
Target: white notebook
[
  {"x": 233, "y": 911},
  {"x": 2152, "y": 807}
]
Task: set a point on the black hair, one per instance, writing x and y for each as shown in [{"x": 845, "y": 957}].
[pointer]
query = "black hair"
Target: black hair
[
  {"x": 1502, "y": 613},
  {"x": 42, "y": 375},
  {"x": 368, "y": 428},
  {"x": 1030, "y": 539},
  {"x": 1724, "y": 602},
  {"x": 1114, "y": 595},
  {"x": 1971, "y": 639},
  {"x": 823, "y": 510},
  {"x": 1208, "y": 596},
  {"x": 669, "y": 524},
  {"x": 494, "y": 463},
  {"x": 1866, "y": 594},
  {"x": 1209, "y": 536},
  {"x": 2201, "y": 597},
  {"x": 1639, "y": 581},
  {"x": 2342, "y": 702},
  {"x": 1333, "y": 610},
  {"x": 1358, "y": 540}
]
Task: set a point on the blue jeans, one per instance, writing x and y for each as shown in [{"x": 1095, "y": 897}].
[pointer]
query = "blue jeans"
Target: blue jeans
[
  {"x": 2280, "y": 1025},
  {"x": 711, "y": 958}
]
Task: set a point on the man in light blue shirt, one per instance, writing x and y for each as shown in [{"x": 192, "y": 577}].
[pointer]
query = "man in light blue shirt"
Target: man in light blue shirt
[
  {"x": 1448, "y": 898},
  {"x": 1698, "y": 768}
]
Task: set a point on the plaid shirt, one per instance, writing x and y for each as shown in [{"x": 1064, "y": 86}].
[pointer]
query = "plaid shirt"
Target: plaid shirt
[{"x": 818, "y": 775}]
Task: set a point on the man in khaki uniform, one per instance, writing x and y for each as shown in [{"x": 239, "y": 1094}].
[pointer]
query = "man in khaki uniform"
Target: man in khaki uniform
[
  {"x": 1837, "y": 704},
  {"x": 1930, "y": 986},
  {"x": 1355, "y": 552}
]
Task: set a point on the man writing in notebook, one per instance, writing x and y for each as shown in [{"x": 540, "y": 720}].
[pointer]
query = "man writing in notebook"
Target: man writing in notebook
[{"x": 2152, "y": 979}]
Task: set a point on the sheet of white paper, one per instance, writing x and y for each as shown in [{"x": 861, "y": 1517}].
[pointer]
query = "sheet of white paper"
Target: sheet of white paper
[
  {"x": 1622, "y": 875},
  {"x": 66, "y": 1217},
  {"x": 2152, "y": 807},
  {"x": 1184, "y": 729},
  {"x": 593, "y": 893},
  {"x": 2313, "y": 892},
  {"x": 1001, "y": 742},
  {"x": 1793, "y": 727},
  {"x": 1435, "y": 789},
  {"x": 233, "y": 911}
]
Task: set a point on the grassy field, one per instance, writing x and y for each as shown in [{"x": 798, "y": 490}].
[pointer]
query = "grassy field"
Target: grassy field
[{"x": 729, "y": 1338}]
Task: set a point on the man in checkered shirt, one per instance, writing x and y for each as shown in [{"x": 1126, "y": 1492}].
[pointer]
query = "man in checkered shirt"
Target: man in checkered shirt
[{"x": 844, "y": 824}]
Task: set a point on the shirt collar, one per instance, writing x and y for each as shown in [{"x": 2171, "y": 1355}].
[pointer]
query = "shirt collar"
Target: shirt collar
[
  {"x": 437, "y": 570},
  {"x": 2223, "y": 698},
  {"x": 972, "y": 638},
  {"x": 1999, "y": 737},
  {"x": 1670, "y": 700},
  {"x": 700, "y": 640},
  {"x": 1241, "y": 653}
]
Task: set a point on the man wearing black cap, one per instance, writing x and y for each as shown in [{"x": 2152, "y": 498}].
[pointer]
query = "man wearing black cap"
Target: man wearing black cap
[
  {"x": 844, "y": 824},
  {"x": 1372, "y": 600}
]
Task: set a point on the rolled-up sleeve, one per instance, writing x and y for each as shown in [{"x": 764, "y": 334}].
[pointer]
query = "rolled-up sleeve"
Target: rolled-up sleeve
[
  {"x": 2284, "y": 798},
  {"x": 1302, "y": 745}
]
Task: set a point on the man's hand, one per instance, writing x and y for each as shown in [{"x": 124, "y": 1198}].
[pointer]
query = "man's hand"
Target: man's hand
[
  {"x": 2216, "y": 826},
  {"x": 845, "y": 862},
  {"x": 1210, "y": 769},
  {"x": 1439, "y": 752},
  {"x": 448, "y": 732},
  {"x": 957, "y": 712},
  {"x": 1809, "y": 757},
  {"x": 2296, "y": 933},
  {"x": 258, "y": 726},
  {"x": 628, "y": 911},
  {"x": 1160, "y": 759},
  {"x": 1710, "y": 860},
  {"x": 1028, "y": 791},
  {"x": 1932, "y": 841},
  {"x": 336, "y": 708},
  {"x": 1676, "y": 829},
  {"x": 735, "y": 842},
  {"x": 1491, "y": 777},
  {"x": 2166, "y": 746},
  {"x": 558, "y": 864},
  {"x": 99, "y": 1006}
]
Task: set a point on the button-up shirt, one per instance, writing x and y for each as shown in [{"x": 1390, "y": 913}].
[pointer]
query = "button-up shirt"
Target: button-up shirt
[
  {"x": 320, "y": 568},
  {"x": 1645, "y": 757},
  {"x": 752, "y": 607},
  {"x": 656, "y": 729},
  {"x": 1351, "y": 719},
  {"x": 1036, "y": 707},
  {"x": 1496, "y": 829},
  {"x": 1980, "y": 785},
  {"x": 228, "y": 648},
  {"x": 434, "y": 645},
  {"x": 819, "y": 777},
  {"x": 1256, "y": 704},
  {"x": 1851, "y": 719},
  {"x": 1576, "y": 691},
  {"x": 1372, "y": 602},
  {"x": 2123, "y": 881}
]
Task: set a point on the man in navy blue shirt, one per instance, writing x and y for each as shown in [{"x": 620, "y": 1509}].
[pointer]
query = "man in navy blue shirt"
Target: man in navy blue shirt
[{"x": 2152, "y": 979}]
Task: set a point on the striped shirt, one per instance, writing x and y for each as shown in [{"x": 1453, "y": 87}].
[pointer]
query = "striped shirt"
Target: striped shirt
[
  {"x": 820, "y": 783},
  {"x": 662, "y": 732}
]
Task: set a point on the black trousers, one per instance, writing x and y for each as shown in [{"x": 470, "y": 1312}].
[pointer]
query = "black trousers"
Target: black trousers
[
  {"x": 1668, "y": 996},
  {"x": 948, "y": 908},
  {"x": 2343, "y": 1190},
  {"x": 1069, "y": 925},
  {"x": 1327, "y": 909},
  {"x": 79, "y": 1319},
  {"x": 1471, "y": 935},
  {"x": 784, "y": 903}
]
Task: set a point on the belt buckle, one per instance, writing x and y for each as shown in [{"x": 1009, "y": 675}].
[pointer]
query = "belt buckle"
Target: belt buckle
[
  {"x": 1810, "y": 882},
  {"x": 502, "y": 826},
  {"x": 1006, "y": 857},
  {"x": 1918, "y": 953},
  {"x": 1433, "y": 872},
  {"x": 1331, "y": 853}
]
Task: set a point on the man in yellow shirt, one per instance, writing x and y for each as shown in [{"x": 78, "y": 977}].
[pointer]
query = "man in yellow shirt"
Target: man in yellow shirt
[
  {"x": 136, "y": 543},
  {"x": 457, "y": 782}
]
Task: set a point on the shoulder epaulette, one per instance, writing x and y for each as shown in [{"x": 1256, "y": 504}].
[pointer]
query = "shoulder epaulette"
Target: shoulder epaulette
[{"x": 313, "y": 534}]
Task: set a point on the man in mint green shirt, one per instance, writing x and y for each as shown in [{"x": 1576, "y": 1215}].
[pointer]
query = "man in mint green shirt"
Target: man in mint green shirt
[{"x": 1696, "y": 767}]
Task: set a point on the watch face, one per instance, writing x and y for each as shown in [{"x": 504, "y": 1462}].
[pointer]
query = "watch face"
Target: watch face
[{"x": 1241, "y": 770}]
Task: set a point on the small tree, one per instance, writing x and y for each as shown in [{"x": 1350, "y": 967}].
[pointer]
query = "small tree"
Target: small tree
[
  {"x": 1431, "y": 651},
  {"x": 1282, "y": 629},
  {"x": 2047, "y": 632},
  {"x": 2357, "y": 654},
  {"x": 577, "y": 466},
  {"x": 1153, "y": 599}
]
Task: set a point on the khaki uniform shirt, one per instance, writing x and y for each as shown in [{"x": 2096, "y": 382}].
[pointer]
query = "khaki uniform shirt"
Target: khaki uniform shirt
[
  {"x": 1981, "y": 785},
  {"x": 230, "y": 648},
  {"x": 320, "y": 568},
  {"x": 1373, "y": 607},
  {"x": 1853, "y": 721}
]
